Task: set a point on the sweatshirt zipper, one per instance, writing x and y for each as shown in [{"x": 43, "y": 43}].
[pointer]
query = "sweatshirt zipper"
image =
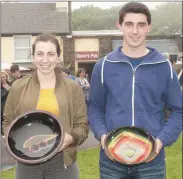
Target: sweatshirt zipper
[
  {"x": 133, "y": 88},
  {"x": 133, "y": 98}
]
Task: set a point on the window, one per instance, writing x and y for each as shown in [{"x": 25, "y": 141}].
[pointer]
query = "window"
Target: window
[{"x": 22, "y": 46}]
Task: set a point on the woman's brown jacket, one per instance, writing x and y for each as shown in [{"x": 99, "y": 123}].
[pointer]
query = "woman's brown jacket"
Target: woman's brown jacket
[{"x": 23, "y": 97}]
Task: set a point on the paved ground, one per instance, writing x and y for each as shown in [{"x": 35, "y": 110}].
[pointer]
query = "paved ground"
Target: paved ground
[
  {"x": 89, "y": 143},
  {"x": 7, "y": 161}
]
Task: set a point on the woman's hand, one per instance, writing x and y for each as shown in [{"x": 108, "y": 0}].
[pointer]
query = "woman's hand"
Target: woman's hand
[{"x": 68, "y": 139}]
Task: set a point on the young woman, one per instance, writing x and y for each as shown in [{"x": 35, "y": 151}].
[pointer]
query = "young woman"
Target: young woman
[
  {"x": 4, "y": 80},
  {"x": 82, "y": 80},
  {"x": 4, "y": 93},
  {"x": 48, "y": 90}
]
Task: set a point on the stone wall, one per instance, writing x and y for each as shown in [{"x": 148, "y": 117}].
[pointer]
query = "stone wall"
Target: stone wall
[
  {"x": 105, "y": 46},
  {"x": 178, "y": 39},
  {"x": 69, "y": 52}
]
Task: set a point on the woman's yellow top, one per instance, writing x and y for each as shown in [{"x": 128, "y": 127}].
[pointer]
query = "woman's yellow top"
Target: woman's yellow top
[{"x": 47, "y": 101}]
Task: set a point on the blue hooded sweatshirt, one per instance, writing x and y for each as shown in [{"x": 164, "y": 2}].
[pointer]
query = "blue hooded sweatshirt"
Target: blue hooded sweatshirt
[{"x": 121, "y": 95}]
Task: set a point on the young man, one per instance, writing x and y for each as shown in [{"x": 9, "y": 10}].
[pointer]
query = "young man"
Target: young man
[
  {"x": 66, "y": 72},
  {"x": 130, "y": 87},
  {"x": 15, "y": 71}
]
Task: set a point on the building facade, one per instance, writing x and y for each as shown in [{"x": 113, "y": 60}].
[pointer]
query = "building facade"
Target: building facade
[
  {"x": 84, "y": 48},
  {"x": 22, "y": 22}
]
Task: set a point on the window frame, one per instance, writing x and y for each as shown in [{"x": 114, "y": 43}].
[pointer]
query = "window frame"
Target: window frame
[{"x": 22, "y": 48}]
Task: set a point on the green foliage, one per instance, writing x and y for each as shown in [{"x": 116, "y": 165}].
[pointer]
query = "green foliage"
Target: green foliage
[
  {"x": 174, "y": 160},
  {"x": 89, "y": 164},
  {"x": 166, "y": 18},
  {"x": 94, "y": 18},
  {"x": 9, "y": 174}
]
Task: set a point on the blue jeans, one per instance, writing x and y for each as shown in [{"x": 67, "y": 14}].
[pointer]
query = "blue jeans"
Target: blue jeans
[{"x": 114, "y": 170}]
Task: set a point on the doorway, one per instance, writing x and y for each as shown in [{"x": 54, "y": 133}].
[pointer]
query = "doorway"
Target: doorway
[{"x": 88, "y": 67}]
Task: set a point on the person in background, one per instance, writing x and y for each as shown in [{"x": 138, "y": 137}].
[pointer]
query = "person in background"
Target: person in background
[
  {"x": 87, "y": 77},
  {"x": 179, "y": 68},
  {"x": 4, "y": 94},
  {"x": 130, "y": 87},
  {"x": 83, "y": 82},
  {"x": 178, "y": 65},
  {"x": 5, "y": 87},
  {"x": 5, "y": 80},
  {"x": 166, "y": 55},
  {"x": 47, "y": 90},
  {"x": 180, "y": 78},
  {"x": 166, "y": 111},
  {"x": 173, "y": 62},
  {"x": 66, "y": 72},
  {"x": 15, "y": 72}
]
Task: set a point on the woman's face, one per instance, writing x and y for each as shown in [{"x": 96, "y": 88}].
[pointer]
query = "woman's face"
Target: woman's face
[
  {"x": 82, "y": 74},
  {"x": 3, "y": 78},
  {"x": 45, "y": 57}
]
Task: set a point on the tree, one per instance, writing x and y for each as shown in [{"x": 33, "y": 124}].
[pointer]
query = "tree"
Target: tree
[{"x": 166, "y": 18}]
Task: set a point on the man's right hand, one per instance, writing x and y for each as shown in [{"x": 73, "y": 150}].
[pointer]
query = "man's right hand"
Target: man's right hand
[{"x": 103, "y": 140}]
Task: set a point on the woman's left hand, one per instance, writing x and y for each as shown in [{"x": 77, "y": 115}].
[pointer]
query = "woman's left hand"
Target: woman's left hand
[{"x": 68, "y": 139}]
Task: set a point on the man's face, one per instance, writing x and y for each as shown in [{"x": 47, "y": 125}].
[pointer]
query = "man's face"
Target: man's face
[
  {"x": 16, "y": 74},
  {"x": 135, "y": 29}
]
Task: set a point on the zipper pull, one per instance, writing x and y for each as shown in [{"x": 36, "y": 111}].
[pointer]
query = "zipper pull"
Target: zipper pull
[{"x": 133, "y": 73}]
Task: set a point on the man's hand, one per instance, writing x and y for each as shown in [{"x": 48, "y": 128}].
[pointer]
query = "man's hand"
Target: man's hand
[
  {"x": 102, "y": 140},
  {"x": 102, "y": 144},
  {"x": 159, "y": 145},
  {"x": 68, "y": 139}
]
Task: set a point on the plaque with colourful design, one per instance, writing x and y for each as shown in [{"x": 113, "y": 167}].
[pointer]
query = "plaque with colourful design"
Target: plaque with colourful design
[{"x": 130, "y": 146}]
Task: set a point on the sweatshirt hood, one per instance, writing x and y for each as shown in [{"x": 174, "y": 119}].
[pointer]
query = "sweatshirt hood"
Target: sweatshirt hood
[{"x": 117, "y": 56}]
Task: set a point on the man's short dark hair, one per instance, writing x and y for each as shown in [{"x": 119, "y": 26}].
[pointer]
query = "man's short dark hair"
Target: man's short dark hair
[
  {"x": 66, "y": 70},
  {"x": 134, "y": 7},
  {"x": 14, "y": 68}
]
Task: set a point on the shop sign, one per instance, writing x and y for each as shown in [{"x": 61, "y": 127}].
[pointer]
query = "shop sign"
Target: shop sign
[{"x": 87, "y": 55}]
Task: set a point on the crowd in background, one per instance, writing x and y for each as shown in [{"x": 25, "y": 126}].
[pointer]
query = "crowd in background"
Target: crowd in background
[
  {"x": 81, "y": 78},
  {"x": 177, "y": 64},
  {"x": 7, "y": 80}
]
